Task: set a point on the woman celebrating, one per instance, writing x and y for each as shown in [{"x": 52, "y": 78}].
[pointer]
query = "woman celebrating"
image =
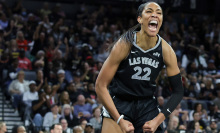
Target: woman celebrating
[{"x": 134, "y": 63}]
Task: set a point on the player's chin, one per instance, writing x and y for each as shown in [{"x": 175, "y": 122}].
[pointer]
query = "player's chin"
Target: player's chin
[{"x": 152, "y": 34}]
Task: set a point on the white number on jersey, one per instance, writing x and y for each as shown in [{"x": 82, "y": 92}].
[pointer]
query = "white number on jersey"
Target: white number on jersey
[{"x": 139, "y": 70}]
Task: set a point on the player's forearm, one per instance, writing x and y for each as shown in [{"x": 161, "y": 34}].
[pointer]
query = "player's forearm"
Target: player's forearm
[{"x": 107, "y": 101}]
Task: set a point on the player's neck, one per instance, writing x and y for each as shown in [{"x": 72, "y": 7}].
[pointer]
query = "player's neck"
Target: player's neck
[{"x": 144, "y": 41}]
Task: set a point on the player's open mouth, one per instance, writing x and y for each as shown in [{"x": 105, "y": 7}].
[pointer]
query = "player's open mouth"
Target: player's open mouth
[{"x": 153, "y": 25}]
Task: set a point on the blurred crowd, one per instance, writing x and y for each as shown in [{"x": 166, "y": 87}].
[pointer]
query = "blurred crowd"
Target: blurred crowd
[{"x": 63, "y": 56}]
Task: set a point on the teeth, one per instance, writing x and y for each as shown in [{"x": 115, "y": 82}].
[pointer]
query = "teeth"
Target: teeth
[{"x": 153, "y": 22}]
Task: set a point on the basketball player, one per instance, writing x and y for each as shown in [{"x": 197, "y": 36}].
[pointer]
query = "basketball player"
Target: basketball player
[{"x": 129, "y": 73}]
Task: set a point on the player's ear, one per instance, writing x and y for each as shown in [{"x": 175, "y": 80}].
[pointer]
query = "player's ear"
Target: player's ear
[{"x": 139, "y": 19}]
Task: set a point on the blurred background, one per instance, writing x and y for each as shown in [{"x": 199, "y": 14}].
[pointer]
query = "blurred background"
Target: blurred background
[{"x": 51, "y": 52}]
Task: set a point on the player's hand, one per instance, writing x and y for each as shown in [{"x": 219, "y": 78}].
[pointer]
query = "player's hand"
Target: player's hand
[
  {"x": 150, "y": 126},
  {"x": 126, "y": 126}
]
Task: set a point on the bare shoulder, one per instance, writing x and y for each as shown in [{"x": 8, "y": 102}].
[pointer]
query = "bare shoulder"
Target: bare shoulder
[
  {"x": 120, "y": 50},
  {"x": 166, "y": 47},
  {"x": 168, "y": 53}
]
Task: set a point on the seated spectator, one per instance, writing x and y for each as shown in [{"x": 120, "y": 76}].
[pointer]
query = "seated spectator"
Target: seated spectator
[
  {"x": 198, "y": 107},
  {"x": 89, "y": 93},
  {"x": 96, "y": 119},
  {"x": 67, "y": 113},
  {"x": 197, "y": 128},
  {"x": 206, "y": 92},
  {"x": 39, "y": 108},
  {"x": 73, "y": 92},
  {"x": 24, "y": 62},
  {"x": 212, "y": 128},
  {"x": 64, "y": 125},
  {"x": 78, "y": 129},
  {"x": 61, "y": 81},
  {"x": 50, "y": 95},
  {"x": 181, "y": 114},
  {"x": 11, "y": 75},
  {"x": 56, "y": 128},
  {"x": 77, "y": 81},
  {"x": 173, "y": 124},
  {"x": 89, "y": 128},
  {"x": 28, "y": 97},
  {"x": 52, "y": 117},
  {"x": 64, "y": 99},
  {"x": 195, "y": 122},
  {"x": 17, "y": 89},
  {"x": 81, "y": 108}
]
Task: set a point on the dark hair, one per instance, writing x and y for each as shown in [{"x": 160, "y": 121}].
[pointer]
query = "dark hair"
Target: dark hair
[
  {"x": 53, "y": 126},
  {"x": 128, "y": 35},
  {"x": 196, "y": 105}
]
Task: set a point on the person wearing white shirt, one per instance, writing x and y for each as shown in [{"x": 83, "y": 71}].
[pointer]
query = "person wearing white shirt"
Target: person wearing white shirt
[
  {"x": 17, "y": 89},
  {"x": 28, "y": 97}
]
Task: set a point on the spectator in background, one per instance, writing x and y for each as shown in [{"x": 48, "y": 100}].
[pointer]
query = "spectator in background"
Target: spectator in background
[
  {"x": 73, "y": 92},
  {"x": 97, "y": 103},
  {"x": 83, "y": 123},
  {"x": 12, "y": 74},
  {"x": 56, "y": 128},
  {"x": 45, "y": 10},
  {"x": 3, "y": 20},
  {"x": 64, "y": 125},
  {"x": 67, "y": 113},
  {"x": 173, "y": 124},
  {"x": 24, "y": 62},
  {"x": 21, "y": 41},
  {"x": 89, "y": 128},
  {"x": 61, "y": 81},
  {"x": 206, "y": 92},
  {"x": 196, "y": 119},
  {"x": 13, "y": 49},
  {"x": 3, "y": 127},
  {"x": 17, "y": 89},
  {"x": 39, "y": 108},
  {"x": 38, "y": 62},
  {"x": 82, "y": 108},
  {"x": 96, "y": 119},
  {"x": 40, "y": 80},
  {"x": 212, "y": 128},
  {"x": 198, "y": 107},
  {"x": 78, "y": 129},
  {"x": 39, "y": 40},
  {"x": 50, "y": 94},
  {"x": 64, "y": 99},
  {"x": 52, "y": 117},
  {"x": 28, "y": 97},
  {"x": 19, "y": 129}
]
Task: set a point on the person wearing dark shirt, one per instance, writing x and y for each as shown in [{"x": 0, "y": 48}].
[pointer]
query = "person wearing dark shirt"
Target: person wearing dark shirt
[
  {"x": 73, "y": 92},
  {"x": 40, "y": 108},
  {"x": 196, "y": 118}
]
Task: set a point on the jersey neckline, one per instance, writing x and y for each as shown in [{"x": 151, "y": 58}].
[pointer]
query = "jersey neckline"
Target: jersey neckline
[{"x": 145, "y": 51}]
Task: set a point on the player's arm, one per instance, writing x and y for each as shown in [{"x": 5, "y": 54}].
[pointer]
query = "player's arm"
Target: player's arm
[
  {"x": 173, "y": 73},
  {"x": 174, "y": 77},
  {"x": 109, "y": 68}
]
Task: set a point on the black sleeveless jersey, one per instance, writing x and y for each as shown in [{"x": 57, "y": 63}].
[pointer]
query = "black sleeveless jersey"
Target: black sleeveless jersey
[{"x": 136, "y": 74}]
